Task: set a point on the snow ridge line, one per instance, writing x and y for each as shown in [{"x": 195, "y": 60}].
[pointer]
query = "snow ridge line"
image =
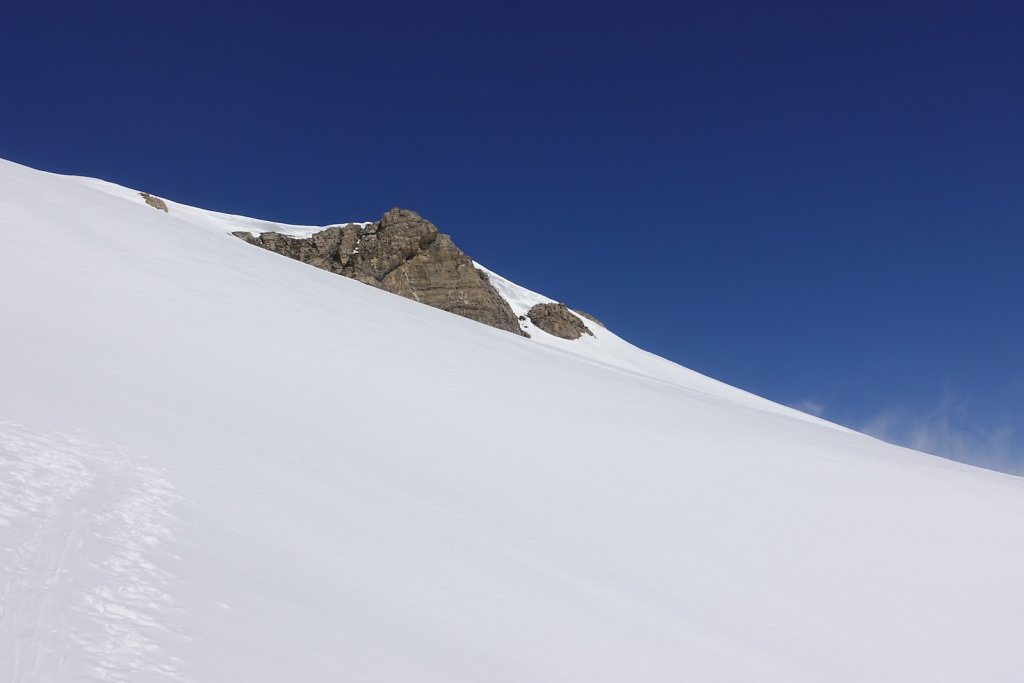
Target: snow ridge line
[{"x": 78, "y": 596}]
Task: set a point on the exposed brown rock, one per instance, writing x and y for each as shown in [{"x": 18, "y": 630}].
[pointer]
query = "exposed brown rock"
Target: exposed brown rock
[
  {"x": 155, "y": 202},
  {"x": 405, "y": 254},
  {"x": 558, "y": 320}
]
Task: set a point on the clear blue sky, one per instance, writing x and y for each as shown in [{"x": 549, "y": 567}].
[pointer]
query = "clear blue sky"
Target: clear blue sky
[{"x": 819, "y": 202}]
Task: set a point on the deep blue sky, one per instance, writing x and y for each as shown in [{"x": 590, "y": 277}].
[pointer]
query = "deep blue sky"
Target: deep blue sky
[{"x": 819, "y": 202}]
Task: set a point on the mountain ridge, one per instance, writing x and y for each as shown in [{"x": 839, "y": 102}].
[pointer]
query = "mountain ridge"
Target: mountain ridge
[{"x": 221, "y": 464}]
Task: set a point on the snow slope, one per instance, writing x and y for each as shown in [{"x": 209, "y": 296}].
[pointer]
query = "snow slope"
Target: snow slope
[{"x": 217, "y": 464}]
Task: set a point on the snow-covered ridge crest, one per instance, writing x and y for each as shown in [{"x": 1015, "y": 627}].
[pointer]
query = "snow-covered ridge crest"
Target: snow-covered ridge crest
[{"x": 218, "y": 464}]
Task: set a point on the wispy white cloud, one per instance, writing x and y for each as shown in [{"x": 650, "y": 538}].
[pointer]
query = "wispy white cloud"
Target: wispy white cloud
[
  {"x": 809, "y": 406},
  {"x": 949, "y": 431}
]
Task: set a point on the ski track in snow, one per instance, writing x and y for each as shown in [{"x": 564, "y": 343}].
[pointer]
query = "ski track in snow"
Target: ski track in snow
[{"x": 78, "y": 596}]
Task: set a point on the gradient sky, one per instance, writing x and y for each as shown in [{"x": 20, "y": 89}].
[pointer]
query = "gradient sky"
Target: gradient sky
[{"x": 818, "y": 202}]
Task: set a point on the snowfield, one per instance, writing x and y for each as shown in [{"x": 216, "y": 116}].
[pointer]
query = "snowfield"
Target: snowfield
[{"x": 218, "y": 464}]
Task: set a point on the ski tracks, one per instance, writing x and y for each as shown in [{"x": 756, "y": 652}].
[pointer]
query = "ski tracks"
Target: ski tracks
[{"x": 80, "y": 596}]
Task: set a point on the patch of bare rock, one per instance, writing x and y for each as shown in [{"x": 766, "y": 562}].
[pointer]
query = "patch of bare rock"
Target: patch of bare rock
[
  {"x": 558, "y": 320},
  {"x": 405, "y": 254},
  {"x": 155, "y": 202}
]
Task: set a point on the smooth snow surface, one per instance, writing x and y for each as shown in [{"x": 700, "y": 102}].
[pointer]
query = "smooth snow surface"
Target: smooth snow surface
[{"x": 218, "y": 464}]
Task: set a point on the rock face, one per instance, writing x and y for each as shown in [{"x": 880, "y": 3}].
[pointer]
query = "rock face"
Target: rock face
[
  {"x": 405, "y": 254},
  {"x": 155, "y": 202},
  {"x": 558, "y": 320}
]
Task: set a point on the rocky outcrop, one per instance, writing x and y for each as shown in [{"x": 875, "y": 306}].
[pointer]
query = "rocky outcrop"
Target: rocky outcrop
[
  {"x": 155, "y": 202},
  {"x": 558, "y": 320},
  {"x": 405, "y": 254}
]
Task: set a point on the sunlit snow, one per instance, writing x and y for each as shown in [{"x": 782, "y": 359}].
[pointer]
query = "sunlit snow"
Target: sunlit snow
[{"x": 219, "y": 464}]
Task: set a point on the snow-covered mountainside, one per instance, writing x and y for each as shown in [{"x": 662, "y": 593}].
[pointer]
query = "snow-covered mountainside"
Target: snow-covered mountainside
[{"x": 219, "y": 464}]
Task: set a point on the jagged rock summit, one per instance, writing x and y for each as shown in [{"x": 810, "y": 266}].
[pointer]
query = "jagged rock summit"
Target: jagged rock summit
[{"x": 405, "y": 254}]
